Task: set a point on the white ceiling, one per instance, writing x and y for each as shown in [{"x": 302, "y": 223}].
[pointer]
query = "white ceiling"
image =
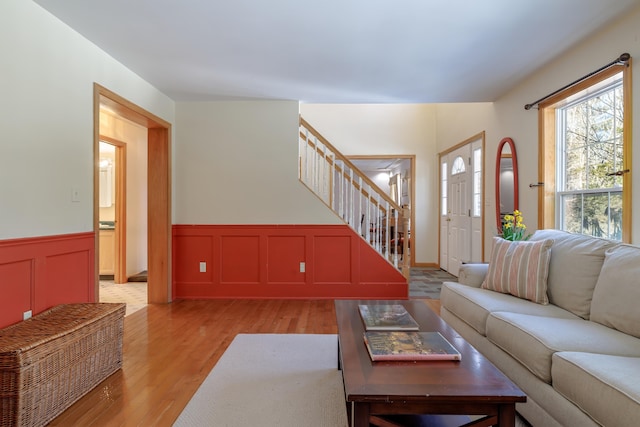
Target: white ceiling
[{"x": 336, "y": 51}]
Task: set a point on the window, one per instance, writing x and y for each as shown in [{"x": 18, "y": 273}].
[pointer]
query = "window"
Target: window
[
  {"x": 443, "y": 190},
  {"x": 477, "y": 182},
  {"x": 585, "y": 157},
  {"x": 590, "y": 156},
  {"x": 458, "y": 166}
]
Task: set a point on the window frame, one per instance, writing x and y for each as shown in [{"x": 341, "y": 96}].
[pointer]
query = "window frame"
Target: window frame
[{"x": 547, "y": 147}]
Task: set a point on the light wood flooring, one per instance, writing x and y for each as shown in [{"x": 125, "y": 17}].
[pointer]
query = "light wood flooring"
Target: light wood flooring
[{"x": 170, "y": 349}]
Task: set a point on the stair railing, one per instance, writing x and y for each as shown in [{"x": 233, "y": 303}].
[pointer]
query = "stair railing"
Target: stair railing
[{"x": 354, "y": 197}]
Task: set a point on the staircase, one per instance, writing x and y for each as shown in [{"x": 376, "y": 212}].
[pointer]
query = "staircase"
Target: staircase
[{"x": 361, "y": 204}]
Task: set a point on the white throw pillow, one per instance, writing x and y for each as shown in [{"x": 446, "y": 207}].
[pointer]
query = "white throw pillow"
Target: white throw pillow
[
  {"x": 520, "y": 268},
  {"x": 617, "y": 293}
]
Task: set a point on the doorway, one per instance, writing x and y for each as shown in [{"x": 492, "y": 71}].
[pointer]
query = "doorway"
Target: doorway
[
  {"x": 462, "y": 204},
  {"x": 394, "y": 174},
  {"x": 112, "y": 208},
  {"x": 158, "y": 190}
]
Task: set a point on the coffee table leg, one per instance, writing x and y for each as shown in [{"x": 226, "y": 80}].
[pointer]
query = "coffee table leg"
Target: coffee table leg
[
  {"x": 360, "y": 414},
  {"x": 507, "y": 415}
]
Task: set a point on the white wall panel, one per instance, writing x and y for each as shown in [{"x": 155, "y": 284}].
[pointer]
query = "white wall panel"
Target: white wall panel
[
  {"x": 237, "y": 163},
  {"x": 46, "y": 118}
]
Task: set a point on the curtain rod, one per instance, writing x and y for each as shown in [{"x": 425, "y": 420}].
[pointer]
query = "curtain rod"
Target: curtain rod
[{"x": 621, "y": 60}]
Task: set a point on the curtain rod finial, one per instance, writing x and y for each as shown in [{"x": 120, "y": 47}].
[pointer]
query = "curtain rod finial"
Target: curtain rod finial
[{"x": 625, "y": 57}]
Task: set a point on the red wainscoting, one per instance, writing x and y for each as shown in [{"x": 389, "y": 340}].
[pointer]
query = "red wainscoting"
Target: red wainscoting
[
  {"x": 40, "y": 272},
  {"x": 263, "y": 261}
]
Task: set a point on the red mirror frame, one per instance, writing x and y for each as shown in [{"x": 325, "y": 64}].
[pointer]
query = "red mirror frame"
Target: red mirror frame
[{"x": 512, "y": 146}]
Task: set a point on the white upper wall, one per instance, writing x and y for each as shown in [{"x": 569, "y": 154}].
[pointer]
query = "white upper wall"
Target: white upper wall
[
  {"x": 237, "y": 163},
  {"x": 390, "y": 129},
  {"x": 46, "y": 117},
  {"x": 507, "y": 116},
  {"x": 221, "y": 150}
]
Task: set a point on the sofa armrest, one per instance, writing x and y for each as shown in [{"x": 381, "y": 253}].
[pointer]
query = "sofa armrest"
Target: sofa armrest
[{"x": 472, "y": 274}]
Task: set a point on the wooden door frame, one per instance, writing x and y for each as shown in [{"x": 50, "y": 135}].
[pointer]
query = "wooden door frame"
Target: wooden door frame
[
  {"x": 455, "y": 201},
  {"x": 158, "y": 189},
  {"x": 412, "y": 191},
  {"x": 477, "y": 137},
  {"x": 120, "y": 260}
]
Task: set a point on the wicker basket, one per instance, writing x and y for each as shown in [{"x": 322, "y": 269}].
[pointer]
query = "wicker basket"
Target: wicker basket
[{"x": 53, "y": 359}]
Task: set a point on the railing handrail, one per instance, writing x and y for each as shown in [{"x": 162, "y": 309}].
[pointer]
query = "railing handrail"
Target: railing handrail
[
  {"x": 357, "y": 172},
  {"x": 339, "y": 155},
  {"x": 343, "y": 188}
]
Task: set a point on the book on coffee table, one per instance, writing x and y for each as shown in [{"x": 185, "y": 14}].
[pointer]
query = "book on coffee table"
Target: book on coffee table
[
  {"x": 387, "y": 317},
  {"x": 409, "y": 346}
]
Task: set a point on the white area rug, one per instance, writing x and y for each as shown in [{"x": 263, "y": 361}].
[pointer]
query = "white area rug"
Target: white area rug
[{"x": 272, "y": 380}]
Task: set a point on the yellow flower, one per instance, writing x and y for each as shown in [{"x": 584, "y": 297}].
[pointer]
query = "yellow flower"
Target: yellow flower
[{"x": 513, "y": 227}]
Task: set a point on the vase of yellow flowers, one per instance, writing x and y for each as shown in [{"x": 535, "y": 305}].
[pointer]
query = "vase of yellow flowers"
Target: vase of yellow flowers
[{"x": 513, "y": 227}]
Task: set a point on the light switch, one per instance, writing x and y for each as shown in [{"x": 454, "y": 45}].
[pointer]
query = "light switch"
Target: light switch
[
  {"x": 302, "y": 267},
  {"x": 203, "y": 267}
]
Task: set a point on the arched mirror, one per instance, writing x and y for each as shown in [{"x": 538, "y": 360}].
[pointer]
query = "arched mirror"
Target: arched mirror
[{"x": 506, "y": 180}]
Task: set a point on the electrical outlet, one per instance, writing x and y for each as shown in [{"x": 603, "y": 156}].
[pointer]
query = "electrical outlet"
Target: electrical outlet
[
  {"x": 26, "y": 315},
  {"x": 203, "y": 267},
  {"x": 302, "y": 267}
]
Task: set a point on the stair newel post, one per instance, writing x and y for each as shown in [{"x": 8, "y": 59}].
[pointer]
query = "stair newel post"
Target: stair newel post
[{"x": 406, "y": 257}]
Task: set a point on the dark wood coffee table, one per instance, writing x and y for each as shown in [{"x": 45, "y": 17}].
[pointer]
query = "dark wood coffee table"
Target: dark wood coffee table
[{"x": 472, "y": 386}]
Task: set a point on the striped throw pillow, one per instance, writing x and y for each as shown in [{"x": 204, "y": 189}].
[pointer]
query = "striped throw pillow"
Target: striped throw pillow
[{"x": 520, "y": 268}]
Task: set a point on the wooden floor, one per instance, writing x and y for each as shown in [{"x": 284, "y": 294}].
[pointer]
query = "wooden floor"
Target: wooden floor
[{"x": 170, "y": 349}]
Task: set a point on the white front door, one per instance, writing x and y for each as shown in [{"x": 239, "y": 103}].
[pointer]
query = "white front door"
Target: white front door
[
  {"x": 461, "y": 207},
  {"x": 459, "y": 212},
  {"x": 444, "y": 212}
]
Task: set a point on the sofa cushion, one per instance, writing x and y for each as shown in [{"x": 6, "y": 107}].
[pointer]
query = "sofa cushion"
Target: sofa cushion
[
  {"x": 519, "y": 268},
  {"x": 473, "y": 305},
  {"x": 604, "y": 386},
  {"x": 574, "y": 267},
  {"x": 472, "y": 274},
  {"x": 617, "y": 292},
  {"x": 532, "y": 340}
]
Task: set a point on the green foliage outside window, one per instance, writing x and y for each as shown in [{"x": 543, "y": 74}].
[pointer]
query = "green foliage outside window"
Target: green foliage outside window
[{"x": 591, "y": 186}]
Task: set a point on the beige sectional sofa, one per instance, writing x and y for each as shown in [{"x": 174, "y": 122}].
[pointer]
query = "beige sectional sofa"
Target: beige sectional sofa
[{"x": 578, "y": 357}]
